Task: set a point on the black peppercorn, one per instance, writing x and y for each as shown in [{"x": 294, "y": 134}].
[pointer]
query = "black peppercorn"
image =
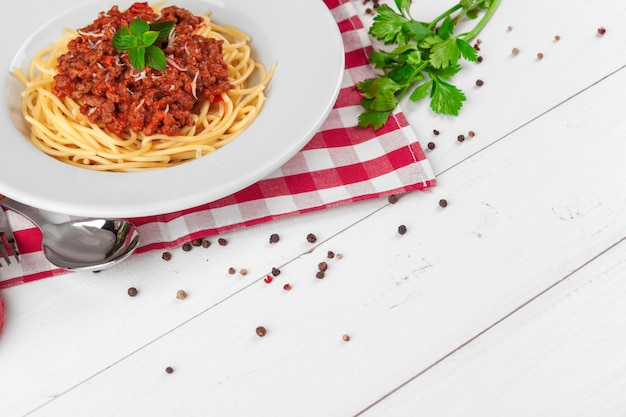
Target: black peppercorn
[
  {"x": 311, "y": 238},
  {"x": 402, "y": 229}
]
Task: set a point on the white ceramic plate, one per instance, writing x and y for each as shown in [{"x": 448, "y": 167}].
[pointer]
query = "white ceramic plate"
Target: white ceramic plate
[{"x": 301, "y": 37}]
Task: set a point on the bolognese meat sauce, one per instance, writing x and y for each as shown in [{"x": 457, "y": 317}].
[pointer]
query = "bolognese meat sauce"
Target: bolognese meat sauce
[{"x": 113, "y": 93}]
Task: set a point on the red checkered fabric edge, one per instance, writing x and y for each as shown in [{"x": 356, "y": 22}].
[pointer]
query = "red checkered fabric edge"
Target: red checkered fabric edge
[{"x": 341, "y": 164}]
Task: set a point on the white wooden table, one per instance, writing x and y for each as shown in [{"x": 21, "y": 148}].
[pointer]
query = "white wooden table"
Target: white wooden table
[{"x": 510, "y": 301}]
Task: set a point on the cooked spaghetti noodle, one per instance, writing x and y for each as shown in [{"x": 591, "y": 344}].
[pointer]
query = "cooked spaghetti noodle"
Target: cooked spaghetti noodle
[{"x": 64, "y": 127}]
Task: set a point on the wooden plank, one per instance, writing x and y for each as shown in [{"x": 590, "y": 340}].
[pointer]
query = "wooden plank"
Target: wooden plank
[
  {"x": 65, "y": 329},
  {"x": 522, "y": 214},
  {"x": 561, "y": 355}
]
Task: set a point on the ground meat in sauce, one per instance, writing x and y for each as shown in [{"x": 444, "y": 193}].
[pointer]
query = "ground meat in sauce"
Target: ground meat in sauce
[{"x": 115, "y": 94}]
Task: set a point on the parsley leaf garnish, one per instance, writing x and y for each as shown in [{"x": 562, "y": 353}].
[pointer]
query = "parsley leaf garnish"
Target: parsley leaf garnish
[
  {"x": 423, "y": 58},
  {"x": 141, "y": 40}
]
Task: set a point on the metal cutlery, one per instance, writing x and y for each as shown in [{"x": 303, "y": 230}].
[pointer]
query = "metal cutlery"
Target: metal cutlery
[{"x": 8, "y": 245}]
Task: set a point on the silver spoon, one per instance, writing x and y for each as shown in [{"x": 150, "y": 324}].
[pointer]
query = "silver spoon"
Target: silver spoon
[{"x": 81, "y": 243}]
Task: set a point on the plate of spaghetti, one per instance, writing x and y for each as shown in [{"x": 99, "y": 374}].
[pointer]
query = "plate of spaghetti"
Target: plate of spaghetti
[{"x": 134, "y": 109}]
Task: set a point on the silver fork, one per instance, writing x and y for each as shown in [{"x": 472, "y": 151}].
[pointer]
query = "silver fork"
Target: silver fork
[{"x": 7, "y": 240}]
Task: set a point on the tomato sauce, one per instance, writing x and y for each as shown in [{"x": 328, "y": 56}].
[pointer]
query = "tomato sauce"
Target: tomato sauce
[{"x": 113, "y": 93}]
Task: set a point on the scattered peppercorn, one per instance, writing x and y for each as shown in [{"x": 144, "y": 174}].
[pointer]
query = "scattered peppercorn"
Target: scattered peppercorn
[
  {"x": 601, "y": 31},
  {"x": 509, "y": 28},
  {"x": 187, "y": 247},
  {"x": 222, "y": 241},
  {"x": 515, "y": 51},
  {"x": 268, "y": 279},
  {"x": 206, "y": 243},
  {"x": 392, "y": 199},
  {"x": 557, "y": 38},
  {"x": 322, "y": 266},
  {"x": 402, "y": 229},
  {"x": 443, "y": 202},
  {"x": 274, "y": 238},
  {"x": 231, "y": 270},
  {"x": 311, "y": 238},
  {"x": 261, "y": 331},
  {"x": 480, "y": 59},
  {"x": 166, "y": 256},
  {"x": 460, "y": 138},
  {"x": 480, "y": 83},
  {"x": 319, "y": 274},
  {"x": 287, "y": 287},
  {"x": 275, "y": 271},
  {"x": 345, "y": 337},
  {"x": 169, "y": 370},
  {"x": 435, "y": 132},
  {"x": 339, "y": 256},
  {"x": 540, "y": 56},
  {"x": 330, "y": 254},
  {"x": 181, "y": 294},
  {"x": 471, "y": 134},
  {"x": 196, "y": 242},
  {"x": 132, "y": 291},
  {"x": 243, "y": 272},
  {"x": 431, "y": 145}
]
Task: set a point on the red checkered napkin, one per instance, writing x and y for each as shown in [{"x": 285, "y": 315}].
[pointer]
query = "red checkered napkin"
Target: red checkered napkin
[{"x": 341, "y": 164}]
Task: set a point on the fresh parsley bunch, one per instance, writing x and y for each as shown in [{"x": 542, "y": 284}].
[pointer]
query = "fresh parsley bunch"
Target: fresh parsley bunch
[
  {"x": 141, "y": 40},
  {"x": 425, "y": 57}
]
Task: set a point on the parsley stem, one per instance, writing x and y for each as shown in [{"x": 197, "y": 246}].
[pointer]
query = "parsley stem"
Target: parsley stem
[
  {"x": 444, "y": 15},
  {"x": 409, "y": 84},
  {"x": 483, "y": 21}
]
